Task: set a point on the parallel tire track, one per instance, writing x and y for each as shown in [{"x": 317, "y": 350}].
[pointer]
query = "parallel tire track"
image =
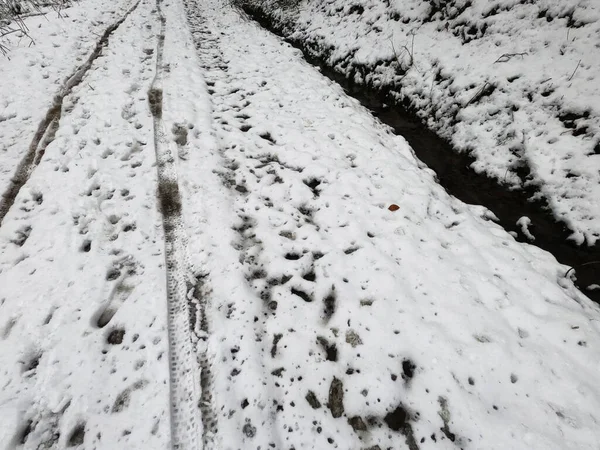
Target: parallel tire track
[
  {"x": 190, "y": 376},
  {"x": 49, "y": 125}
]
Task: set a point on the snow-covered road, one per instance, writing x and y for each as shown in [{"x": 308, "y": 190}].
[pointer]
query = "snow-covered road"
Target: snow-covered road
[{"x": 220, "y": 249}]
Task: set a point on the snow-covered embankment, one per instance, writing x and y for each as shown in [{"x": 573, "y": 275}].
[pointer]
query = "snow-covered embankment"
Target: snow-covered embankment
[{"x": 514, "y": 83}]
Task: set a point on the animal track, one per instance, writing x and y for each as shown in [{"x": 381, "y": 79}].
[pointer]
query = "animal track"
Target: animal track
[
  {"x": 86, "y": 246},
  {"x": 77, "y": 436},
  {"x": 120, "y": 291},
  {"x": 303, "y": 295},
  {"x": 8, "y": 328},
  {"x": 313, "y": 184},
  {"x": 181, "y": 134},
  {"x": 22, "y": 234},
  {"x": 49, "y": 316},
  {"x": 329, "y": 305},
  {"x": 33, "y": 363},
  {"x": 124, "y": 398},
  {"x": 267, "y": 137},
  {"x": 25, "y": 431},
  {"x": 310, "y": 276},
  {"x": 116, "y": 336}
]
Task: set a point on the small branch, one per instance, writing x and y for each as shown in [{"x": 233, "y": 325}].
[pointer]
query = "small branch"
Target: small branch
[
  {"x": 581, "y": 265},
  {"x": 33, "y": 14},
  {"x": 508, "y": 56},
  {"x": 477, "y": 93},
  {"x": 409, "y": 52},
  {"x": 4, "y": 50},
  {"x": 14, "y": 30},
  {"x": 396, "y": 54},
  {"x": 573, "y": 74}
]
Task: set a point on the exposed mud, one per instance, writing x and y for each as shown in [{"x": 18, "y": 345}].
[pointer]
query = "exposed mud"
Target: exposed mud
[{"x": 454, "y": 172}]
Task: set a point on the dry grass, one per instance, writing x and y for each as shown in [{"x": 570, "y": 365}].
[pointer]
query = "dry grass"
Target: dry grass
[{"x": 13, "y": 13}]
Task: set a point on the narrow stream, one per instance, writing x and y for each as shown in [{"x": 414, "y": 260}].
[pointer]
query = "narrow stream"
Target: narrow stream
[{"x": 454, "y": 173}]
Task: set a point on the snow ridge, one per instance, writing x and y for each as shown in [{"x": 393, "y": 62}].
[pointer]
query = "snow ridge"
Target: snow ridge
[{"x": 49, "y": 125}]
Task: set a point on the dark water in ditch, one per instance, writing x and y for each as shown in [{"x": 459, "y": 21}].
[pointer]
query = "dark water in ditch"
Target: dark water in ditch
[{"x": 454, "y": 173}]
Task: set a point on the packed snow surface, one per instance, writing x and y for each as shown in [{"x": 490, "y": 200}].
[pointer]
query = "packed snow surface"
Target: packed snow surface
[
  {"x": 513, "y": 82},
  {"x": 220, "y": 249}
]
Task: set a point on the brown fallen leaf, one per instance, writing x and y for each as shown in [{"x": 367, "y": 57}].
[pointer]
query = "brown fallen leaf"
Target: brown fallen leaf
[{"x": 393, "y": 207}]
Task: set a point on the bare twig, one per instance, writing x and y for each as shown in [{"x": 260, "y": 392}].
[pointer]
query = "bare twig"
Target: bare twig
[
  {"x": 431, "y": 90},
  {"x": 479, "y": 92},
  {"x": 410, "y": 52},
  {"x": 581, "y": 265},
  {"x": 10, "y": 31},
  {"x": 398, "y": 57},
  {"x": 508, "y": 56},
  {"x": 573, "y": 74},
  {"x": 33, "y": 14}
]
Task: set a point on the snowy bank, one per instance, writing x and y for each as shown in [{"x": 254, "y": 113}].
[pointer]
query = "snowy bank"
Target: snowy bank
[{"x": 512, "y": 82}]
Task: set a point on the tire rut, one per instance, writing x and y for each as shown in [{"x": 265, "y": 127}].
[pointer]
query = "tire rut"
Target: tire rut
[
  {"x": 188, "y": 326},
  {"x": 49, "y": 125}
]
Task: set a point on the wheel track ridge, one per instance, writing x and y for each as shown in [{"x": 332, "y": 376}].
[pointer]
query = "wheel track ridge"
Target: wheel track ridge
[{"x": 190, "y": 374}]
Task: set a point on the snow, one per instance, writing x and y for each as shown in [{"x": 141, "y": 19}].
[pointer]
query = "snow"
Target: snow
[
  {"x": 279, "y": 291},
  {"x": 512, "y": 82},
  {"x": 524, "y": 223}
]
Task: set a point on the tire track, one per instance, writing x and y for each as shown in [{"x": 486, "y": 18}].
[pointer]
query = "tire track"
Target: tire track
[
  {"x": 50, "y": 124},
  {"x": 188, "y": 325},
  {"x": 261, "y": 398}
]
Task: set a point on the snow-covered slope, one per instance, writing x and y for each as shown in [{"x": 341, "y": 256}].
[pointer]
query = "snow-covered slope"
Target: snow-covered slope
[
  {"x": 513, "y": 82},
  {"x": 311, "y": 285}
]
